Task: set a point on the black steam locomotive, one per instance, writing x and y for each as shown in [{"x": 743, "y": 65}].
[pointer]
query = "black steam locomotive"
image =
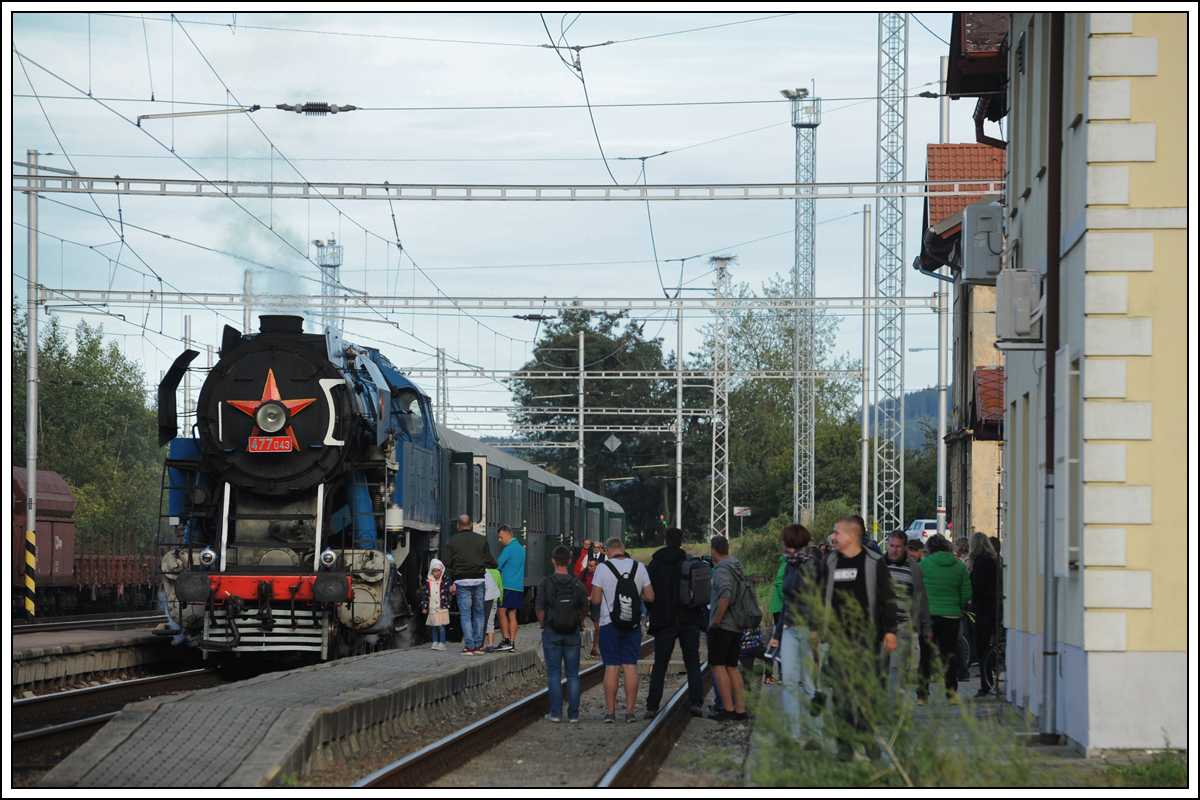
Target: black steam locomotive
[{"x": 315, "y": 488}]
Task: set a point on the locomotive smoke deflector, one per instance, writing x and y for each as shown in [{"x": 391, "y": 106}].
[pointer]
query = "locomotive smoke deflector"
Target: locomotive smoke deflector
[
  {"x": 383, "y": 416},
  {"x": 168, "y": 423}
]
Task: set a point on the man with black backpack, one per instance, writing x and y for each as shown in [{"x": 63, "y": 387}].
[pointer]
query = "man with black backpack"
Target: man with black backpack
[
  {"x": 682, "y": 585},
  {"x": 562, "y": 606},
  {"x": 619, "y": 587}
]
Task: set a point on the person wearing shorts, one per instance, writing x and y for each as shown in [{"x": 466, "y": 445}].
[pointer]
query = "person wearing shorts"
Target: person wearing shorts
[
  {"x": 512, "y": 576},
  {"x": 725, "y": 637},
  {"x": 619, "y": 649}
]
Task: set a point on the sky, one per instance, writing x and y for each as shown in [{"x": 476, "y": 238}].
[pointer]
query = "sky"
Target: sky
[{"x": 419, "y": 81}]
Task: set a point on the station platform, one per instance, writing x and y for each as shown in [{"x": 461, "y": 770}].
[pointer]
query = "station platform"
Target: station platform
[
  {"x": 275, "y": 727},
  {"x": 50, "y": 658}
]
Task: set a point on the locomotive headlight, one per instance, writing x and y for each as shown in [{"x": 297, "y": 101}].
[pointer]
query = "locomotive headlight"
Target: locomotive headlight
[
  {"x": 271, "y": 417},
  {"x": 208, "y": 557},
  {"x": 328, "y": 558}
]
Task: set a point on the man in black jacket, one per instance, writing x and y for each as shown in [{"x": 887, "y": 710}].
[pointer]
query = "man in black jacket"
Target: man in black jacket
[
  {"x": 857, "y": 588},
  {"x": 668, "y": 621},
  {"x": 467, "y": 556}
]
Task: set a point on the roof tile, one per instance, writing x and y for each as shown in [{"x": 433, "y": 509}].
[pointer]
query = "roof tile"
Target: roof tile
[{"x": 949, "y": 162}]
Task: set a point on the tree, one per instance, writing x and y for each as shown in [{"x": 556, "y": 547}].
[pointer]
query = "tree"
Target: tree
[
  {"x": 920, "y": 478},
  {"x": 100, "y": 436},
  {"x": 611, "y": 343},
  {"x": 761, "y": 411}
]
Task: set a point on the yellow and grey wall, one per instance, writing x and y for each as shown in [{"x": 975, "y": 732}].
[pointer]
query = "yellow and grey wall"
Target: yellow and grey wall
[{"x": 1122, "y": 598}]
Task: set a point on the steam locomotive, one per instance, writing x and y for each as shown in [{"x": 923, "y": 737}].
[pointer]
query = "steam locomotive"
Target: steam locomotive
[{"x": 315, "y": 488}]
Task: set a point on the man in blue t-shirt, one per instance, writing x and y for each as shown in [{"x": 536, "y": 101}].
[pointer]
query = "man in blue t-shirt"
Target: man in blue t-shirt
[{"x": 512, "y": 575}]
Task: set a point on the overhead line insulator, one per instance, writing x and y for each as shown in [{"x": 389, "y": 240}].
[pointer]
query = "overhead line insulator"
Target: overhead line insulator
[{"x": 315, "y": 109}]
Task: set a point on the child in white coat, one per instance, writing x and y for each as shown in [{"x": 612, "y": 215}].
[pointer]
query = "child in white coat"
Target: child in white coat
[{"x": 435, "y": 601}]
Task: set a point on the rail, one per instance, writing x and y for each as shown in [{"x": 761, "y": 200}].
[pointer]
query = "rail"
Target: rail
[
  {"x": 422, "y": 768},
  {"x": 56, "y": 724},
  {"x": 74, "y": 700},
  {"x": 639, "y": 764},
  {"x": 45, "y": 746},
  {"x": 104, "y": 622}
]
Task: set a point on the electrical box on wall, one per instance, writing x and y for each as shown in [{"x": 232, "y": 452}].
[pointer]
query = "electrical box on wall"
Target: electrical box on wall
[
  {"x": 982, "y": 243},
  {"x": 1018, "y": 311}
]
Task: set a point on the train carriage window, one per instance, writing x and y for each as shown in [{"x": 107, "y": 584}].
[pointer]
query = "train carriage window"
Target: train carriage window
[
  {"x": 476, "y": 504},
  {"x": 414, "y": 414}
]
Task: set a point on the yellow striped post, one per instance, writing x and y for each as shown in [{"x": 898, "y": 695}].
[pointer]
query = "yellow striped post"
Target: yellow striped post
[{"x": 30, "y": 573}]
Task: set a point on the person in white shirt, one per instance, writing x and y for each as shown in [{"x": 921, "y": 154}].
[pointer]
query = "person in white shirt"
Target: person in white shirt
[{"x": 620, "y": 646}]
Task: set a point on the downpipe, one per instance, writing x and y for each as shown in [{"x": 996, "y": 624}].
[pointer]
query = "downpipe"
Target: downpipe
[{"x": 1054, "y": 123}]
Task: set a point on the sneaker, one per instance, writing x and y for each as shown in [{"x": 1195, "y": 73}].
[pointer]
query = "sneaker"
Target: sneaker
[
  {"x": 489, "y": 649},
  {"x": 630, "y": 718},
  {"x": 433, "y": 646},
  {"x": 504, "y": 646},
  {"x": 610, "y": 717},
  {"x": 466, "y": 651},
  {"x": 573, "y": 720},
  {"x": 742, "y": 717},
  {"x": 713, "y": 709},
  {"x": 650, "y": 713},
  {"x": 553, "y": 718},
  {"x": 697, "y": 711},
  {"x": 722, "y": 716},
  {"x": 478, "y": 651},
  {"x": 770, "y": 679},
  {"x": 812, "y": 746},
  {"x": 982, "y": 693}
]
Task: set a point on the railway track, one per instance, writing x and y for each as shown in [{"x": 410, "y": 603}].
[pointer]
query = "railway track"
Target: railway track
[
  {"x": 636, "y": 767},
  {"x": 48, "y": 727},
  {"x": 107, "y": 622}
]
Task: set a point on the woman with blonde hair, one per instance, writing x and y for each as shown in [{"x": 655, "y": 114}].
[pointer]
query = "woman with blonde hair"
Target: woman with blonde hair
[{"x": 985, "y": 597}]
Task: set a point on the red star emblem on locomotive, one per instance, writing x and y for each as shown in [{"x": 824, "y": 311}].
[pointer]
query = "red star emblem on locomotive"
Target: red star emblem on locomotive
[{"x": 273, "y": 411}]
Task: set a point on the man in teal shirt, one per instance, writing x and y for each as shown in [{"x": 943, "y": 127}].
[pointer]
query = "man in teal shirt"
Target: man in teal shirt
[{"x": 512, "y": 574}]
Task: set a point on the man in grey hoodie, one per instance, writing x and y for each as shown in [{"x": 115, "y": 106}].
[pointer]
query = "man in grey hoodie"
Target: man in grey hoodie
[{"x": 725, "y": 644}]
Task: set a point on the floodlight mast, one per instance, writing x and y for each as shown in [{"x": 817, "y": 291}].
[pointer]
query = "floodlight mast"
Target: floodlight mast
[{"x": 806, "y": 116}]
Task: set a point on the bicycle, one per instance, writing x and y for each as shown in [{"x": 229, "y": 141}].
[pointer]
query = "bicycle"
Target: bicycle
[{"x": 993, "y": 664}]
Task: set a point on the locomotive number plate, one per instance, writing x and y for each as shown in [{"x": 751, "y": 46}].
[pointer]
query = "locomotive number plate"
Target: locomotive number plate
[{"x": 270, "y": 444}]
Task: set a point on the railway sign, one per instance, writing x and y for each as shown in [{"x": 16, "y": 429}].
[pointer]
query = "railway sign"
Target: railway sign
[
  {"x": 741, "y": 511},
  {"x": 612, "y": 443}
]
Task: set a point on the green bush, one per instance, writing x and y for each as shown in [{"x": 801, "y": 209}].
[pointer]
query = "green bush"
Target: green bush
[
  {"x": 1165, "y": 770},
  {"x": 895, "y": 743}
]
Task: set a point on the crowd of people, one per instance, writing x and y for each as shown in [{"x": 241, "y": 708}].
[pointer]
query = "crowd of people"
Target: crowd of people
[{"x": 890, "y": 610}]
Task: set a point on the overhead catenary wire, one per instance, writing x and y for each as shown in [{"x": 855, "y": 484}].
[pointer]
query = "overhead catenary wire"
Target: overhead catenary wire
[
  {"x": 578, "y": 67},
  {"x": 24, "y": 58},
  {"x": 319, "y": 194},
  {"x": 440, "y": 40},
  {"x": 367, "y": 233},
  {"x": 931, "y": 33}
]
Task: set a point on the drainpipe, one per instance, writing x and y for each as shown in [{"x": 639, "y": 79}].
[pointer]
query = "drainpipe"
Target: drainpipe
[{"x": 1054, "y": 123}]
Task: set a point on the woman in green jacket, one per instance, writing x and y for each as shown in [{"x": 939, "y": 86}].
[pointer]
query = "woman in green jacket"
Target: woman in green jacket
[{"x": 948, "y": 587}]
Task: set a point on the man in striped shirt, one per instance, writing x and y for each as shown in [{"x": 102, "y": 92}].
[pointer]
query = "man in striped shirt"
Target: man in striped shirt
[{"x": 912, "y": 614}]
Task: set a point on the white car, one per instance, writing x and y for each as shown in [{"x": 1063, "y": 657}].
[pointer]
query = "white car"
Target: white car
[{"x": 922, "y": 529}]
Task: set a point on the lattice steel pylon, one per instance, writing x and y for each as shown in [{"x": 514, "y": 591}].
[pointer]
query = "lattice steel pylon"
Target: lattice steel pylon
[
  {"x": 806, "y": 116},
  {"x": 718, "y": 508},
  {"x": 329, "y": 261},
  {"x": 443, "y": 391},
  {"x": 892, "y": 133}
]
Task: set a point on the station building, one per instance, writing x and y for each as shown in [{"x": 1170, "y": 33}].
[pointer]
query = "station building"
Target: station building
[{"x": 1120, "y": 501}]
